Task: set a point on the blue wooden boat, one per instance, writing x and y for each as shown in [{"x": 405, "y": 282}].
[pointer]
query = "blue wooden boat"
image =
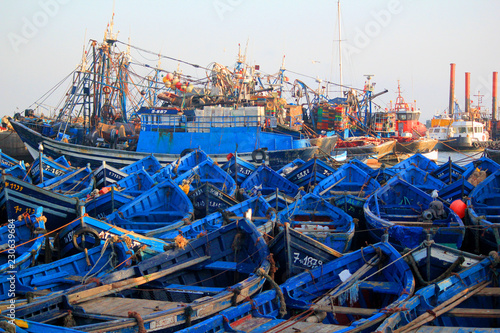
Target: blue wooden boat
[
  {"x": 310, "y": 173},
  {"x": 181, "y": 286},
  {"x": 295, "y": 252},
  {"x": 265, "y": 180},
  {"x": 67, "y": 272},
  {"x": 456, "y": 190},
  {"x": 136, "y": 184},
  {"x": 262, "y": 215},
  {"x": 163, "y": 205},
  {"x": 21, "y": 197},
  {"x": 208, "y": 172},
  {"x": 7, "y": 161},
  {"x": 363, "y": 166},
  {"x": 347, "y": 188},
  {"x": 240, "y": 167},
  {"x": 51, "y": 168},
  {"x": 106, "y": 203},
  {"x": 419, "y": 160},
  {"x": 27, "y": 326},
  {"x": 287, "y": 168},
  {"x": 18, "y": 171},
  {"x": 432, "y": 262},
  {"x": 87, "y": 232},
  {"x": 382, "y": 174},
  {"x": 449, "y": 172},
  {"x": 75, "y": 184},
  {"x": 279, "y": 201},
  {"x": 181, "y": 165},
  {"x": 483, "y": 208},
  {"x": 464, "y": 302},
  {"x": 21, "y": 241},
  {"x": 420, "y": 179},
  {"x": 320, "y": 220},
  {"x": 484, "y": 164},
  {"x": 408, "y": 214},
  {"x": 150, "y": 164},
  {"x": 208, "y": 199},
  {"x": 105, "y": 175},
  {"x": 356, "y": 290}
]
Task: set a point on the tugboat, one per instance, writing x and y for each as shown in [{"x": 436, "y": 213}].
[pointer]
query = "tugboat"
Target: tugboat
[{"x": 410, "y": 132}]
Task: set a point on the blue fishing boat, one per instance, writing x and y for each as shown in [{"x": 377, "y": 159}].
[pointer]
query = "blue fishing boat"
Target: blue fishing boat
[
  {"x": 208, "y": 199},
  {"x": 216, "y": 135},
  {"x": 75, "y": 184},
  {"x": 105, "y": 175},
  {"x": 262, "y": 215},
  {"x": 459, "y": 189},
  {"x": 136, "y": 184},
  {"x": 484, "y": 164},
  {"x": 348, "y": 188},
  {"x": 105, "y": 203},
  {"x": 67, "y": 272},
  {"x": 21, "y": 197},
  {"x": 279, "y": 200},
  {"x": 483, "y": 208},
  {"x": 182, "y": 165},
  {"x": 310, "y": 173},
  {"x": 181, "y": 286},
  {"x": 150, "y": 164},
  {"x": 207, "y": 172},
  {"x": 27, "y": 326},
  {"x": 349, "y": 290},
  {"x": 51, "y": 168},
  {"x": 383, "y": 174},
  {"x": 163, "y": 205},
  {"x": 408, "y": 214},
  {"x": 18, "y": 171},
  {"x": 239, "y": 167},
  {"x": 418, "y": 160},
  {"x": 320, "y": 220},
  {"x": 21, "y": 241},
  {"x": 363, "y": 166},
  {"x": 432, "y": 262},
  {"x": 289, "y": 167},
  {"x": 463, "y": 302},
  {"x": 7, "y": 161},
  {"x": 87, "y": 232},
  {"x": 449, "y": 172},
  {"x": 420, "y": 179},
  {"x": 295, "y": 252},
  {"x": 265, "y": 180}
]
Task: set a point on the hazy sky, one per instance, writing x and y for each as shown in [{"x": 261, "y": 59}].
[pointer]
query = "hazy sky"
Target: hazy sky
[{"x": 413, "y": 41}]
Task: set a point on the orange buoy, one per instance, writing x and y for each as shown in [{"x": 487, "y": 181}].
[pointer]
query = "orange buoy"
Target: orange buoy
[
  {"x": 169, "y": 76},
  {"x": 458, "y": 206},
  {"x": 178, "y": 85}
]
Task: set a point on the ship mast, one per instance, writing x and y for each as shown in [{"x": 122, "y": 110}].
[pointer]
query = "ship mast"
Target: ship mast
[{"x": 340, "y": 52}]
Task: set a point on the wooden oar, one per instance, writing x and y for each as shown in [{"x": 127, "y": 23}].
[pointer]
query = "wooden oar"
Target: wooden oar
[{"x": 129, "y": 283}]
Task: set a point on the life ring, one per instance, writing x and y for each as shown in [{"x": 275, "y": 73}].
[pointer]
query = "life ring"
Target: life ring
[
  {"x": 186, "y": 151},
  {"x": 87, "y": 231},
  {"x": 107, "y": 90},
  {"x": 255, "y": 154}
]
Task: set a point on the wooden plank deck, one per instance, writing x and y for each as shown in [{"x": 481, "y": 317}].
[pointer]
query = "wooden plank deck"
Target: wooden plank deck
[{"x": 119, "y": 307}]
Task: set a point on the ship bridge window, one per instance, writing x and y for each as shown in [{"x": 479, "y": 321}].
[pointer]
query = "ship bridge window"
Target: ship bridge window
[
  {"x": 443, "y": 130},
  {"x": 470, "y": 130},
  {"x": 478, "y": 129},
  {"x": 402, "y": 116},
  {"x": 462, "y": 130}
]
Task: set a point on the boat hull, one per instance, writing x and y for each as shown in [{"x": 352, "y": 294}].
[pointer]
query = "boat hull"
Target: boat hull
[
  {"x": 80, "y": 156},
  {"x": 416, "y": 146}
]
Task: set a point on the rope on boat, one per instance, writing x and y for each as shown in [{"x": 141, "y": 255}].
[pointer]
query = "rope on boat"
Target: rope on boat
[
  {"x": 260, "y": 272},
  {"x": 140, "y": 321},
  {"x": 111, "y": 256},
  {"x": 411, "y": 261}
]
